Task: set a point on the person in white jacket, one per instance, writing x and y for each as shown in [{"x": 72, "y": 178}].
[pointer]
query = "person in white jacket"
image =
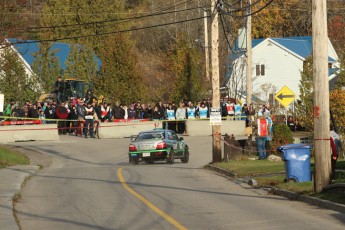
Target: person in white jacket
[{"x": 181, "y": 115}]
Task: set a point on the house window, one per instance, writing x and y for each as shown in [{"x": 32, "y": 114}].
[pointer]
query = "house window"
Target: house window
[
  {"x": 260, "y": 70},
  {"x": 257, "y": 70}
]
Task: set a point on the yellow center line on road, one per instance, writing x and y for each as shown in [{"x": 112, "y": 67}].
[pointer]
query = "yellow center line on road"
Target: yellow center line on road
[{"x": 148, "y": 203}]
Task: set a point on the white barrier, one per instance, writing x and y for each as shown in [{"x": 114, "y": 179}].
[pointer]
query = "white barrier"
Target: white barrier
[
  {"x": 193, "y": 128},
  {"x": 125, "y": 129},
  {"x": 13, "y": 133},
  {"x": 203, "y": 127}
]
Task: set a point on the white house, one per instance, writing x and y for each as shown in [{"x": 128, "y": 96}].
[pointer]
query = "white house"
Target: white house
[{"x": 276, "y": 62}]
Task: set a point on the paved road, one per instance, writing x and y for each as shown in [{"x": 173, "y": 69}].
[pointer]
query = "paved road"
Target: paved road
[{"x": 89, "y": 185}]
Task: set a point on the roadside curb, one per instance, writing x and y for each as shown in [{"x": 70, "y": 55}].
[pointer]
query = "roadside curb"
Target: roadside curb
[
  {"x": 11, "y": 181},
  {"x": 290, "y": 195}
]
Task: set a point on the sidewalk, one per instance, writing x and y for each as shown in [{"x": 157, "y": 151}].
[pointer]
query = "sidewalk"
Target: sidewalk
[
  {"x": 290, "y": 195},
  {"x": 11, "y": 180}
]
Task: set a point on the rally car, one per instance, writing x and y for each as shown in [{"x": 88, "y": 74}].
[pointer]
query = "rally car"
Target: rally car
[{"x": 157, "y": 145}]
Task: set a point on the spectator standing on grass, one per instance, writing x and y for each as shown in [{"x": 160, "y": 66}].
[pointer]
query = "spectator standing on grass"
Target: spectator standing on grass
[
  {"x": 291, "y": 124},
  {"x": 262, "y": 130}
]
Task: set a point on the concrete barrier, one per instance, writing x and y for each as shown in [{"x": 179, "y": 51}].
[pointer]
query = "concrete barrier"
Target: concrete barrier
[
  {"x": 125, "y": 129},
  {"x": 13, "y": 133},
  {"x": 193, "y": 128},
  {"x": 203, "y": 127}
]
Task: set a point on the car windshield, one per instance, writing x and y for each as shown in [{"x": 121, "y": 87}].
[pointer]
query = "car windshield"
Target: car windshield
[{"x": 150, "y": 136}]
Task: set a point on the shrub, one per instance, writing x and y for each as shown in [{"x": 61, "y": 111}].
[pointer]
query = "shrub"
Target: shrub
[{"x": 281, "y": 136}]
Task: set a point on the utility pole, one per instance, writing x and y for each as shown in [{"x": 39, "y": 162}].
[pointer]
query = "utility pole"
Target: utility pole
[
  {"x": 207, "y": 56},
  {"x": 249, "y": 54},
  {"x": 321, "y": 96},
  {"x": 216, "y": 129}
]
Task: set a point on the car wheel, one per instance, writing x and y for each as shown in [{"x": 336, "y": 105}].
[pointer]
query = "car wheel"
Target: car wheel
[
  {"x": 133, "y": 160},
  {"x": 185, "y": 158},
  {"x": 171, "y": 158}
]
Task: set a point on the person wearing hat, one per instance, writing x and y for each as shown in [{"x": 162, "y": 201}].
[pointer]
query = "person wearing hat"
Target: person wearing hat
[{"x": 89, "y": 116}]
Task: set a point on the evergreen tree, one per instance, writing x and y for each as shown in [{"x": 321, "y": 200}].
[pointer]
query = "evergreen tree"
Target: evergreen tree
[
  {"x": 81, "y": 64},
  {"x": 119, "y": 80},
  {"x": 46, "y": 66},
  {"x": 187, "y": 79},
  {"x": 15, "y": 83},
  {"x": 304, "y": 106}
]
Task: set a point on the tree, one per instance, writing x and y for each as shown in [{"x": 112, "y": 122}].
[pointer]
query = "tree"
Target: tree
[
  {"x": 93, "y": 24},
  {"x": 15, "y": 84},
  {"x": 337, "y": 105},
  {"x": 183, "y": 62},
  {"x": 119, "y": 80},
  {"x": 304, "y": 106},
  {"x": 46, "y": 66},
  {"x": 81, "y": 64}
]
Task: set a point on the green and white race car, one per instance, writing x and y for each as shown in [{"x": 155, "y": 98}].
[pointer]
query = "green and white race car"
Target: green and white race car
[{"x": 157, "y": 145}]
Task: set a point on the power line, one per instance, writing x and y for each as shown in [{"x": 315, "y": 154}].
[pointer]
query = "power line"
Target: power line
[
  {"x": 107, "y": 33},
  {"x": 222, "y": 11},
  {"x": 106, "y": 21}
]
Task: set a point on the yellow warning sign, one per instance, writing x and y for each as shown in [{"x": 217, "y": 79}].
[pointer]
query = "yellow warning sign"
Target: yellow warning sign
[{"x": 285, "y": 96}]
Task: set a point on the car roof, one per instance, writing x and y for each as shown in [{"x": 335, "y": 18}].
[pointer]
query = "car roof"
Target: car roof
[{"x": 154, "y": 131}]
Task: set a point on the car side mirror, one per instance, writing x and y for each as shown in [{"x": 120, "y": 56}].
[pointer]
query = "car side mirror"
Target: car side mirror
[{"x": 181, "y": 139}]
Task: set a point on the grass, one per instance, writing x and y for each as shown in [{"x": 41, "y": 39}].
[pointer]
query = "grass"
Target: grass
[
  {"x": 251, "y": 167},
  {"x": 272, "y": 174},
  {"x": 10, "y": 157}
]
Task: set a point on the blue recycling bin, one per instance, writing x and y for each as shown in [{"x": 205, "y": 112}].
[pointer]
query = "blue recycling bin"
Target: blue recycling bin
[{"x": 297, "y": 162}]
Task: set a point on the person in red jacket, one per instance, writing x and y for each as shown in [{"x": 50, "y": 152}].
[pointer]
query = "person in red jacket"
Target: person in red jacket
[{"x": 62, "y": 114}]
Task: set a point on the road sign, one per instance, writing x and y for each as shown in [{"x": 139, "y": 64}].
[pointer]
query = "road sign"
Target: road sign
[
  {"x": 215, "y": 116},
  {"x": 285, "y": 96}
]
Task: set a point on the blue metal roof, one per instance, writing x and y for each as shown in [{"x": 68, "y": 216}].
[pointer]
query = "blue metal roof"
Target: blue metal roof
[
  {"x": 302, "y": 46},
  {"x": 28, "y": 47}
]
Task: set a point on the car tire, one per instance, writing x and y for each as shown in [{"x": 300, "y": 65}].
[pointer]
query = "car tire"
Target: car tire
[
  {"x": 171, "y": 159},
  {"x": 185, "y": 157}
]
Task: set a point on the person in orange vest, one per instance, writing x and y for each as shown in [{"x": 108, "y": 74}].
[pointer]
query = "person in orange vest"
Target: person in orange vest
[{"x": 262, "y": 131}]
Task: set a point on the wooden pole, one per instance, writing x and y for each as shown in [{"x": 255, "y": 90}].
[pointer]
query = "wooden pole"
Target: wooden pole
[
  {"x": 321, "y": 96},
  {"x": 207, "y": 56},
  {"x": 249, "y": 56},
  {"x": 216, "y": 129}
]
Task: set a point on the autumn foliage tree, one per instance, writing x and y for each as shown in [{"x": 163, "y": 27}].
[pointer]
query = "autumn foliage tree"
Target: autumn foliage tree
[{"x": 337, "y": 105}]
